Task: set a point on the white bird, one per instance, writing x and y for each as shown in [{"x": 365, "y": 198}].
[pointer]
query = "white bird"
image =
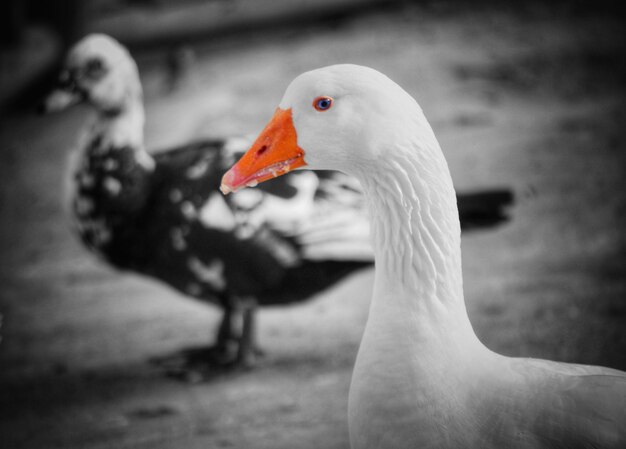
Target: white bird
[{"x": 422, "y": 378}]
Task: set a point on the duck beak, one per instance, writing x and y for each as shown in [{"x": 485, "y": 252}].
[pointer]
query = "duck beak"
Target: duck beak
[
  {"x": 59, "y": 100},
  {"x": 274, "y": 153},
  {"x": 65, "y": 94}
]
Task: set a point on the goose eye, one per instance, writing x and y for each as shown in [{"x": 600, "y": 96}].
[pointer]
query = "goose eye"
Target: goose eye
[{"x": 322, "y": 103}]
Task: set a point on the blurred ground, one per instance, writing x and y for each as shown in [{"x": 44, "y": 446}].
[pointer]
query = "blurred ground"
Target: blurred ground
[{"x": 530, "y": 98}]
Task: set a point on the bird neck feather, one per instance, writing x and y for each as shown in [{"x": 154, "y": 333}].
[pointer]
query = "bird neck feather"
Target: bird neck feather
[
  {"x": 418, "y": 343},
  {"x": 121, "y": 128},
  {"x": 415, "y": 226},
  {"x": 109, "y": 132}
]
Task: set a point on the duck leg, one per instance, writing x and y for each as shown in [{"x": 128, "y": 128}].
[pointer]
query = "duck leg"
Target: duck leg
[
  {"x": 248, "y": 350},
  {"x": 223, "y": 350},
  {"x": 235, "y": 342},
  {"x": 234, "y": 348}
]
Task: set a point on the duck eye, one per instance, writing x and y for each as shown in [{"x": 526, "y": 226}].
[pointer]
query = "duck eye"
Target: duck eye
[
  {"x": 94, "y": 68},
  {"x": 322, "y": 103},
  {"x": 66, "y": 80}
]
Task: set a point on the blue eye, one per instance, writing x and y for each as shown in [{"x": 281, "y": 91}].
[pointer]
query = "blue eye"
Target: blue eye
[{"x": 322, "y": 103}]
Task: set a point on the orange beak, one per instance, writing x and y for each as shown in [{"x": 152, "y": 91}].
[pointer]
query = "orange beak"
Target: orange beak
[{"x": 274, "y": 153}]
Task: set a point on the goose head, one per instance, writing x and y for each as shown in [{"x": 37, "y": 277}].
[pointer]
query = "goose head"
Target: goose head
[
  {"x": 342, "y": 117},
  {"x": 100, "y": 71}
]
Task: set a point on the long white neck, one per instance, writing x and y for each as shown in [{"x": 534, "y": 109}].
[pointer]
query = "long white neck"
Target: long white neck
[
  {"x": 418, "y": 344},
  {"x": 416, "y": 231},
  {"x": 416, "y": 234}
]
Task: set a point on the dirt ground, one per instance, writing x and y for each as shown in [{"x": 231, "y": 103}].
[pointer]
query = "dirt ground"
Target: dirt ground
[{"x": 528, "y": 99}]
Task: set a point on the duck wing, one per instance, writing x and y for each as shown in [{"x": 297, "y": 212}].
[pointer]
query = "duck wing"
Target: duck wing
[
  {"x": 283, "y": 242},
  {"x": 337, "y": 227}
]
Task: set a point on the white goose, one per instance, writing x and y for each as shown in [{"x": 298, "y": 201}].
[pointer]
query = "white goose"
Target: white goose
[{"x": 422, "y": 378}]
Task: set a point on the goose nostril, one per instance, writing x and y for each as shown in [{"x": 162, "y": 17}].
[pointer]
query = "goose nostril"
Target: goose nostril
[{"x": 262, "y": 150}]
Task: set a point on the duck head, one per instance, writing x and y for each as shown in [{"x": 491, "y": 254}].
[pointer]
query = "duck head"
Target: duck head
[
  {"x": 339, "y": 117},
  {"x": 100, "y": 71}
]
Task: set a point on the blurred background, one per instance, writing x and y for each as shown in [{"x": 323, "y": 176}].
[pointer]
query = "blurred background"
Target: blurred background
[{"x": 524, "y": 95}]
